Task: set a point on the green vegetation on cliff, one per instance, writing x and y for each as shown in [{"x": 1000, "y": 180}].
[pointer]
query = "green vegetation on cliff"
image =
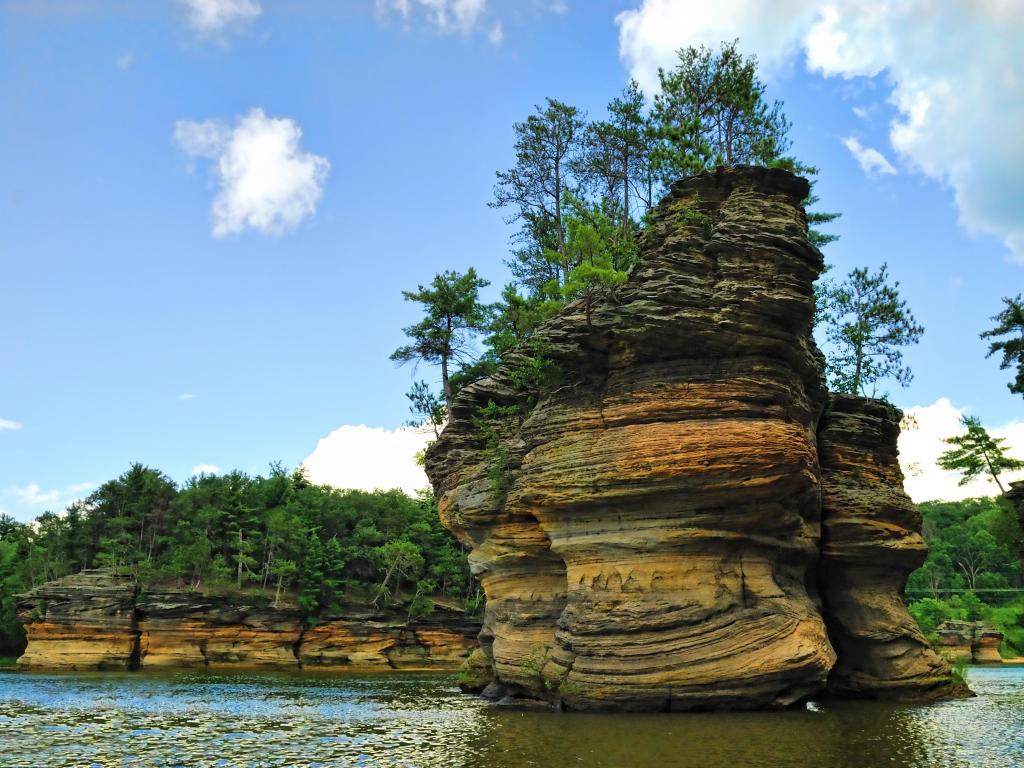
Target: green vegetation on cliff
[
  {"x": 280, "y": 536},
  {"x": 579, "y": 192}
]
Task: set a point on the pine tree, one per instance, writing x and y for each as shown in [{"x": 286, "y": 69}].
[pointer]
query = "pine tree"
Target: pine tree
[
  {"x": 453, "y": 317},
  {"x": 866, "y": 323},
  {"x": 1009, "y": 322},
  {"x": 977, "y": 453}
]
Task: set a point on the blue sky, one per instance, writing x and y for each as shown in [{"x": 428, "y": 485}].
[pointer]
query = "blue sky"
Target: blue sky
[{"x": 142, "y": 322}]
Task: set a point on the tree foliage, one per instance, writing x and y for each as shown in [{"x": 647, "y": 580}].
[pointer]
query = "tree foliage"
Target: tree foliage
[
  {"x": 712, "y": 111},
  {"x": 973, "y": 571},
  {"x": 976, "y": 453},
  {"x": 867, "y": 324},
  {"x": 452, "y": 316},
  {"x": 1009, "y": 324}
]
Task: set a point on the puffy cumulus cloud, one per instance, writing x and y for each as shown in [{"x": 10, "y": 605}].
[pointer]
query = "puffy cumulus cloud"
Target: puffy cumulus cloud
[
  {"x": 446, "y": 16},
  {"x": 954, "y": 72},
  {"x": 9, "y": 424},
  {"x": 205, "y": 469},
  {"x": 267, "y": 182},
  {"x": 923, "y": 441},
  {"x": 369, "y": 458},
  {"x": 209, "y": 17},
  {"x": 650, "y": 35},
  {"x": 870, "y": 160}
]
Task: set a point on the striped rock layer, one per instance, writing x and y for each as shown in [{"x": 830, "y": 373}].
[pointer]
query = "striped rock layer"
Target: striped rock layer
[
  {"x": 648, "y": 529},
  {"x": 99, "y": 620}
]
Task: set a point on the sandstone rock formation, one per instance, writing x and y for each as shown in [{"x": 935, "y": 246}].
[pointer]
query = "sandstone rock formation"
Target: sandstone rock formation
[
  {"x": 85, "y": 621},
  {"x": 648, "y": 532},
  {"x": 96, "y": 620},
  {"x": 970, "y": 641},
  {"x": 870, "y": 542}
]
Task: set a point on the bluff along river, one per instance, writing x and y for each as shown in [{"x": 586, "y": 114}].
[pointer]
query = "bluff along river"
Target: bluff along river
[{"x": 205, "y": 719}]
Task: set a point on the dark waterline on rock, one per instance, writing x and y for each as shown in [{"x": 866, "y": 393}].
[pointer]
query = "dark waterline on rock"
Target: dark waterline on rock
[{"x": 205, "y": 719}]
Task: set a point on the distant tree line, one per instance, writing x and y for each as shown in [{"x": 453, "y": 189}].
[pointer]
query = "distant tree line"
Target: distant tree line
[
  {"x": 278, "y": 537},
  {"x": 973, "y": 571}
]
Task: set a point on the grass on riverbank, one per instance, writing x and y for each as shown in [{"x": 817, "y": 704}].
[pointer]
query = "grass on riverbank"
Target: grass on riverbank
[{"x": 8, "y": 661}]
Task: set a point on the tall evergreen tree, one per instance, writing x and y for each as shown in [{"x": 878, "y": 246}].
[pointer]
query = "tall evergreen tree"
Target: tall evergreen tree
[
  {"x": 1009, "y": 323},
  {"x": 867, "y": 323},
  {"x": 712, "y": 111},
  {"x": 548, "y": 149},
  {"x": 453, "y": 317},
  {"x": 976, "y": 453}
]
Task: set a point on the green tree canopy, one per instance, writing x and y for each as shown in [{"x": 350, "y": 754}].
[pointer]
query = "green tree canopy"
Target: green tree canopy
[
  {"x": 453, "y": 317},
  {"x": 1009, "y": 324},
  {"x": 867, "y": 324},
  {"x": 976, "y": 452},
  {"x": 549, "y": 149}
]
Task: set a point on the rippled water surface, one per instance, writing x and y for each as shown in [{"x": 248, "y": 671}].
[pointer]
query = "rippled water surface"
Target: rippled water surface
[{"x": 203, "y": 719}]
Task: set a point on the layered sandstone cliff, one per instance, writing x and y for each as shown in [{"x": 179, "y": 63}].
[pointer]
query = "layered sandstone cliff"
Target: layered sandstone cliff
[
  {"x": 870, "y": 542},
  {"x": 98, "y": 620},
  {"x": 648, "y": 531},
  {"x": 85, "y": 621}
]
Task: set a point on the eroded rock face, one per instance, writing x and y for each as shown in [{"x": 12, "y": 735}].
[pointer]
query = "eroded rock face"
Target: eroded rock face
[
  {"x": 870, "y": 542},
  {"x": 96, "y": 620},
  {"x": 179, "y": 629},
  {"x": 648, "y": 532},
  {"x": 84, "y": 621}
]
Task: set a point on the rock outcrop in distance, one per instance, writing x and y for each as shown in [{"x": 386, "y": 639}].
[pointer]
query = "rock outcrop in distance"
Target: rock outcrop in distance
[
  {"x": 969, "y": 642},
  {"x": 100, "y": 620},
  {"x": 685, "y": 519}
]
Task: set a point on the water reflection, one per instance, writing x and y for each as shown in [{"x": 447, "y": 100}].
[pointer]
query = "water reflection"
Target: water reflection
[{"x": 199, "y": 719}]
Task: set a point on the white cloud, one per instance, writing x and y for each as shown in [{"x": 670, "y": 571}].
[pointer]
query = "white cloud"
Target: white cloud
[
  {"x": 205, "y": 469},
  {"x": 862, "y": 112},
  {"x": 496, "y": 35},
  {"x": 446, "y": 15},
  {"x": 870, "y": 160},
  {"x": 266, "y": 182},
  {"x": 954, "y": 70},
  {"x": 9, "y": 424},
  {"x": 369, "y": 458},
  {"x": 921, "y": 445},
  {"x": 32, "y": 495},
  {"x": 186, "y": 396},
  {"x": 208, "y": 17},
  {"x": 125, "y": 60}
]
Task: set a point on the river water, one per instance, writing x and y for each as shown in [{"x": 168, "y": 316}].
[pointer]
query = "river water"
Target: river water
[{"x": 207, "y": 719}]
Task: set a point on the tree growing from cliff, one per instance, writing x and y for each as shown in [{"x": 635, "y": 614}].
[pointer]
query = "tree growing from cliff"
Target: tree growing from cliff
[
  {"x": 712, "y": 111},
  {"x": 617, "y": 157},
  {"x": 599, "y": 251},
  {"x": 976, "y": 453},
  {"x": 867, "y": 324},
  {"x": 1010, "y": 324},
  {"x": 549, "y": 148},
  {"x": 453, "y": 317},
  {"x": 426, "y": 407}
]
